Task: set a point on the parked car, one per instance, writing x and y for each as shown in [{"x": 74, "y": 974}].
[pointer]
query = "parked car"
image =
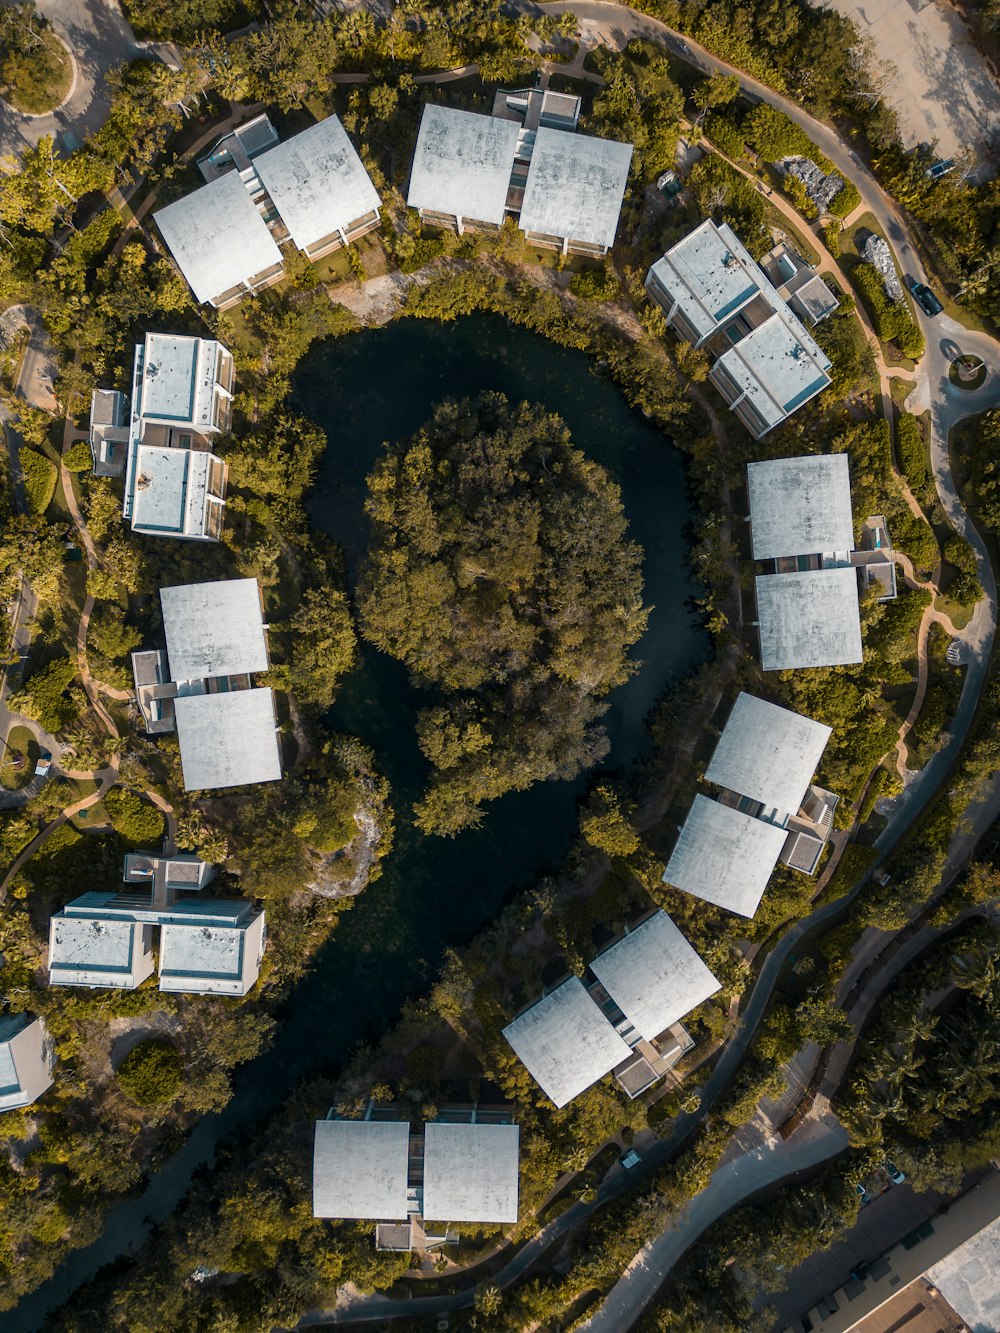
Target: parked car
[
  {"x": 865, "y": 1196},
  {"x": 893, "y": 1172},
  {"x": 926, "y": 299},
  {"x": 630, "y": 1159}
]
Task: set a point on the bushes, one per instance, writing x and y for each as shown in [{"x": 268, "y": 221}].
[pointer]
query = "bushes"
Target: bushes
[
  {"x": 43, "y": 698},
  {"x": 727, "y": 136},
  {"x": 845, "y": 200},
  {"x": 134, "y": 819},
  {"x": 892, "y": 322},
  {"x": 910, "y": 451},
  {"x": 39, "y": 479},
  {"x": 151, "y": 1073},
  {"x": 595, "y": 284},
  {"x": 831, "y": 237},
  {"x": 774, "y": 135},
  {"x": 78, "y": 457}
]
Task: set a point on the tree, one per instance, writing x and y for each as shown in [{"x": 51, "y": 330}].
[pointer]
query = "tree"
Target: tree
[
  {"x": 501, "y": 574},
  {"x": 137, "y": 821},
  {"x": 151, "y": 1072},
  {"x": 716, "y": 90},
  {"x": 78, "y": 457},
  {"x": 606, "y": 827}
]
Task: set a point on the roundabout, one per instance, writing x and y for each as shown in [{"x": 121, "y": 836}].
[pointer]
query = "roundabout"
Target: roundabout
[
  {"x": 968, "y": 372},
  {"x": 37, "y": 68}
]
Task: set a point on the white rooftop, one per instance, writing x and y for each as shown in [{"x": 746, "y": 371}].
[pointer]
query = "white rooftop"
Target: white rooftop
[
  {"x": 175, "y": 379},
  {"x": 768, "y": 753},
  {"x": 217, "y": 958},
  {"x": 317, "y": 182},
  {"x": 217, "y": 237},
  {"x": 969, "y": 1279},
  {"x": 710, "y": 274},
  {"x": 565, "y": 1042},
  {"x": 462, "y": 164},
  {"x": 470, "y": 1173},
  {"x": 778, "y": 366},
  {"x": 91, "y": 951},
  {"x": 575, "y": 187},
  {"x": 214, "y": 629},
  {"x": 724, "y": 856},
  {"x": 228, "y": 739},
  {"x": 809, "y": 619},
  {"x": 171, "y": 486},
  {"x": 361, "y": 1169},
  {"x": 24, "y": 1062},
  {"x": 800, "y": 506},
  {"x": 654, "y": 976}
]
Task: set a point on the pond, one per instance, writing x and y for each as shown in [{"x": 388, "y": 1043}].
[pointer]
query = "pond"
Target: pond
[{"x": 374, "y": 386}]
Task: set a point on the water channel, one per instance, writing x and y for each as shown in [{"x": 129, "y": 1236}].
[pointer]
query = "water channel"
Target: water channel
[{"x": 373, "y": 386}]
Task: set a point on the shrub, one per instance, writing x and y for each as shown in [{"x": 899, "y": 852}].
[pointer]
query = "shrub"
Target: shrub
[
  {"x": 43, "y": 697},
  {"x": 774, "y": 135},
  {"x": 78, "y": 457},
  {"x": 425, "y": 249},
  {"x": 845, "y": 200},
  {"x": 595, "y": 284},
  {"x": 892, "y": 322},
  {"x": 132, "y": 818},
  {"x": 910, "y": 450},
  {"x": 831, "y": 238},
  {"x": 796, "y": 192},
  {"x": 722, "y": 130},
  {"x": 151, "y": 1073},
  {"x": 39, "y": 479}
]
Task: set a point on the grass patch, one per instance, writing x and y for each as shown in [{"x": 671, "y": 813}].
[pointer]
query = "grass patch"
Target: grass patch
[
  {"x": 20, "y": 755},
  {"x": 36, "y": 80},
  {"x": 900, "y": 389},
  {"x": 958, "y": 614}
]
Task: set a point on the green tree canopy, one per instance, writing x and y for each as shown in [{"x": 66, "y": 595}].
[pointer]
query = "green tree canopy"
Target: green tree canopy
[
  {"x": 501, "y": 574},
  {"x": 151, "y": 1072}
]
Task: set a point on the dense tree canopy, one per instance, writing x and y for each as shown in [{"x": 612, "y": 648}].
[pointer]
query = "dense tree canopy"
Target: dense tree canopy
[{"x": 501, "y": 574}]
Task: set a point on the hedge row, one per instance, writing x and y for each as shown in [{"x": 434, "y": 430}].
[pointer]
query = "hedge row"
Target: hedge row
[{"x": 892, "y": 322}]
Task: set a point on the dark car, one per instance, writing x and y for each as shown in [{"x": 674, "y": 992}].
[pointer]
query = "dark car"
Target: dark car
[{"x": 927, "y": 300}]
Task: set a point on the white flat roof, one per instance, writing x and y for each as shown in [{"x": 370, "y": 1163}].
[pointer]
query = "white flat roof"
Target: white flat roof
[
  {"x": 214, "y": 629},
  {"x": 778, "y": 366},
  {"x": 800, "y": 506},
  {"x": 809, "y": 619},
  {"x": 361, "y": 1169},
  {"x": 710, "y": 275},
  {"x": 768, "y": 753},
  {"x": 565, "y": 1042},
  {"x": 575, "y": 186},
  {"x": 209, "y": 958},
  {"x": 24, "y": 1062},
  {"x": 317, "y": 182},
  {"x": 654, "y": 976},
  {"x": 227, "y": 740},
  {"x": 95, "y": 951},
  {"x": 170, "y": 380},
  {"x": 170, "y": 490},
  {"x": 462, "y": 164},
  {"x": 470, "y": 1173},
  {"x": 217, "y": 237},
  {"x": 968, "y": 1280},
  {"x": 724, "y": 856}
]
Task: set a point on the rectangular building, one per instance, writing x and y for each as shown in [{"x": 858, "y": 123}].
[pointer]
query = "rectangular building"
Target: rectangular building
[
  {"x": 227, "y": 739},
  {"x": 25, "y": 1061},
  {"x": 574, "y": 191},
  {"x": 768, "y": 754},
  {"x": 108, "y": 431},
  {"x": 470, "y": 1173},
  {"x": 218, "y": 952},
  {"x": 809, "y": 619},
  {"x": 214, "y": 629},
  {"x": 800, "y": 506},
  {"x": 462, "y": 167},
  {"x": 724, "y": 856},
  {"x": 89, "y": 946},
  {"x": 361, "y": 1169},
  {"x": 770, "y": 373}
]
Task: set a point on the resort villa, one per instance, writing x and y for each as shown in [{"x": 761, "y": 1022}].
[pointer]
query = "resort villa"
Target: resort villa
[
  {"x": 623, "y": 1017},
  {"x": 26, "y": 1060},
  {"x": 767, "y": 808},
  {"x": 713, "y": 293},
  {"x": 525, "y": 162},
  {"x": 461, "y": 1168},
  {"x": 202, "y": 685},
  {"x": 263, "y": 198}
]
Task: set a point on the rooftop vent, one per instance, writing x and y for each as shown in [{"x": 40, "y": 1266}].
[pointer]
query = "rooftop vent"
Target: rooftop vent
[
  {"x": 730, "y": 260},
  {"x": 143, "y": 482},
  {"x": 152, "y": 370}
]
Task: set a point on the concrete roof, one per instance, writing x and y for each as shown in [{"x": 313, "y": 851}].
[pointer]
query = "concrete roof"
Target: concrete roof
[
  {"x": 809, "y": 619},
  {"x": 800, "y": 506},
  {"x": 575, "y": 186},
  {"x": 969, "y": 1279},
  {"x": 724, "y": 856},
  {"x": 317, "y": 182},
  {"x": 170, "y": 489},
  {"x": 214, "y": 629},
  {"x": 227, "y": 740},
  {"x": 565, "y": 1042},
  {"x": 768, "y": 753},
  {"x": 815, "y": 298},
  {"x": 778, "y": 366},
  {"x": 654, "y": 976},
  {"x": 470, "y": 1173},
  {"x": 220, "y": 958},
  {"x": 217, "y": 237},
  {"x": 24, "y": 1062},
  {"x": 86, "y": 949},
  {"x": 462, "y": 164},
  {"x": 710, "y": 274},
  {"x": 361, "y": 1169}
]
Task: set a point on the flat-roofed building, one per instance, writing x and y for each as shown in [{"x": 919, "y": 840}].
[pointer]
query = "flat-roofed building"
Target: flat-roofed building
[
  {"x": 654, "y": 976},
  {"x": 536, "y": 108},
  {"x": 470, "y": 1172},
  {"x": 770, "y": 373},
  {"x": 800, "y": 506},
  {"x": 320, "y": 187},
  {"x": 724, "y": 856},
  {"x": 109, "y": 431},
  {"x": 462, "y": 167},
  {"x": 237, "y": 150},
  {"x": 178, "y": 872},
  {"x": 361, "y": 1169},
  {"x": 217, "y": 952},
  {"x": 809, "y": 619},
  {"x": 574, "y": 191},
  {"x": 25, "y": 1061},
  {"x": 227, "y": 739},
  {"x": 155, "y": 692},
  {"x": 565, "y": 1041},
  {"x": 769, "y": 365},
  {"x": 177, "y": 493},
  {"x": 90, "y": 946},
  {"x": 220, "y": 242},
  {"x": 768, "y": 754},
  {"x": 214, "y": 629}
]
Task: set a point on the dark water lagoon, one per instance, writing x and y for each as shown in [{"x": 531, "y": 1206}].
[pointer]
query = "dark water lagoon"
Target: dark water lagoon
[{"x": 374, "y": 386}]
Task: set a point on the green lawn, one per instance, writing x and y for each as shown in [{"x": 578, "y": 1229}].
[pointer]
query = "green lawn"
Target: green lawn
[{"x": 21, "y": 746}]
